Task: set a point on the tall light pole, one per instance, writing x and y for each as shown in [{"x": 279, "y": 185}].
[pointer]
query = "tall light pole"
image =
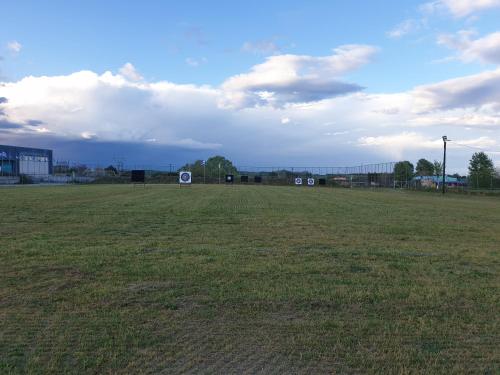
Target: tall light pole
[
  {"x": 204, "y": 172},
  {"x": 445, "y": 139}
]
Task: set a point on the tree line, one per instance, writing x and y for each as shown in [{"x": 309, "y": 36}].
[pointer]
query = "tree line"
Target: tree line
[{"x": 482, "y": 173}]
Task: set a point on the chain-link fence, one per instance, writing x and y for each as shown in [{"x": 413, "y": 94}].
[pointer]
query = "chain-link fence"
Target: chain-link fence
[
  {"x": 379, "y": 175},
  {"x": 370, "y": 175}
]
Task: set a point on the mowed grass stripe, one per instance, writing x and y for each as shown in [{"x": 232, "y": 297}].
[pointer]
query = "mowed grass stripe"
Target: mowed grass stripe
[{"x": 234, "y": 279}]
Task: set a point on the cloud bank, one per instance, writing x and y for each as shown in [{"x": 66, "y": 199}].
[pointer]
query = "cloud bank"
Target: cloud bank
[{"x": 290, "y": 109}]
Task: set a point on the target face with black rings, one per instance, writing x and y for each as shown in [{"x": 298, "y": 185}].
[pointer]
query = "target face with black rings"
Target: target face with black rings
[{"x": 184, "y": 178}]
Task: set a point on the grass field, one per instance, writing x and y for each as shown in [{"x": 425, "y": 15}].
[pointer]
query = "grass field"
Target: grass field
[{"x": 215, "y": 279}]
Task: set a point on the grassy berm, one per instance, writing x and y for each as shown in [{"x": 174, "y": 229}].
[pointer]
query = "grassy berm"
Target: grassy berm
[{"x": 247, "y": 280}]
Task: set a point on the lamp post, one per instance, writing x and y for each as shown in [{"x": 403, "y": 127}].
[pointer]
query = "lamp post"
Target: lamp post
[{"x": 204, "y": 172}]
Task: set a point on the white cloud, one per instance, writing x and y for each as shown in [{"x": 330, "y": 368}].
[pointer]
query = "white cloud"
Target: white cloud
[
  {"x": 459, "y": 118},
  {"x": 403, "y": 141},
  {"x": 485, "y": 49},
  {"x": 460, "y": 8},
  {"x": 110, "y": 108},
  {"x": 14, "y": 46},
  {"x": 405, "y": 27},
  {"x": 196, "y": 145},
  {"x": 88, "y": 135},
  {"x": 130, "y": 72},
  {"x": 285, "y": 120},
  {"x": 264, "y": 47},
  {"x": 285, "y": 79},
  {"x": 196, "y": 62},
  {"x": 474, "y": 91},
  {"x": 480, "y": 143}
]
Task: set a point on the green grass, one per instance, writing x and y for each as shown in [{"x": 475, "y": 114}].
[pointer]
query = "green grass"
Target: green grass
[{"x": 215, "y": 279}]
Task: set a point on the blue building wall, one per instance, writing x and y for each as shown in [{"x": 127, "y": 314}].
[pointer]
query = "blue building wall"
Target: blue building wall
[{"x": 10, "y": 157}]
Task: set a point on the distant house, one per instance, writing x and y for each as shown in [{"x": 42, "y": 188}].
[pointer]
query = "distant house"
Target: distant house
[{"x": 436, "y": 181}]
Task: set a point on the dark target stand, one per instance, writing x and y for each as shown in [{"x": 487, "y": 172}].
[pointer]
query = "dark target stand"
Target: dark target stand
[{"x": 138, "y": 176}]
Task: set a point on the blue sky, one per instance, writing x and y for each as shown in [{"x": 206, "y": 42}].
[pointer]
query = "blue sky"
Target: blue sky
[
  {"x": 60, "y": 37},
  {"x": 290, "y": 82}
]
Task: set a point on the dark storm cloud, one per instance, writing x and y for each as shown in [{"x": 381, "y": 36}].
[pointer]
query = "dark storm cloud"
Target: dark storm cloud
[
  {"x": 6, "y": 124},
  {"x": 3, "y": 100},
  {"x": 134, "y": 155},
  {"x": 34, "y": 122},
  {"x": 303, "y": 91}
]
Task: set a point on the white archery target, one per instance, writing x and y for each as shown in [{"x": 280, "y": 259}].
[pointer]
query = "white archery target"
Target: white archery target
[
  {"x": 298, "y": 181},
  {"x": 310, "y": 181},
  {"x": 184, "y": 177}
]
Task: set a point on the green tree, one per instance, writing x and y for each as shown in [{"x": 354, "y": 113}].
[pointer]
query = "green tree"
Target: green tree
[
  {"x": 481, "y": 170},
  {"x": 403, "y": 171},
  {"x": 111, "y": 170},
  {"x": 211, "y": 167},
  {"x": 438, "y": 168},
  {"x": 425, "y": 168},
  {"x": 195, "y": 168}
]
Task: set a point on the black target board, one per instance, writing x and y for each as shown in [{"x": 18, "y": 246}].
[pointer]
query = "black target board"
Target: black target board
[
  {"x": 229, "y": 178},
  {"x": 138, "y": 176},
  {"x": 373, "y": 177},
  {"x": 322, "y": 181},
  {"x": 244, "y": 179},
  {"x": 257, "y": 179}
]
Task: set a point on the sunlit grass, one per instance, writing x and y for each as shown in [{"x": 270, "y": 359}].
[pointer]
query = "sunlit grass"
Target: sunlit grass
[{"x": 216, "y": 279}]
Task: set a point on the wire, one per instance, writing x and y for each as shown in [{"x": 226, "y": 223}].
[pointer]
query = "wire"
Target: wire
[{"x": 473, "y": 147}]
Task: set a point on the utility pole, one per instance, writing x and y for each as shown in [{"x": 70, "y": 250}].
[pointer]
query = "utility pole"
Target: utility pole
[
  {"x": 445, "y": 138},
  {"x": 219, "y": 173}
]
